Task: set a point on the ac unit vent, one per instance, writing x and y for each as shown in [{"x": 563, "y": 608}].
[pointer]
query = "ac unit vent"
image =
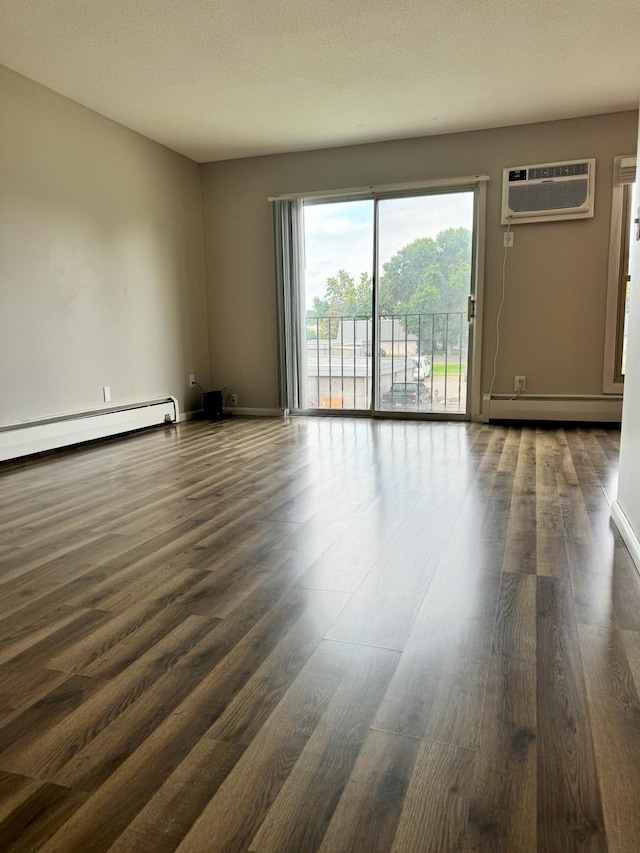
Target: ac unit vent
[
  {"x": 624, "y": 170},
  {"x": 548, "y": 192},
  {"x": 536, "y": 173},
  {"x": 529, "y": 198}
]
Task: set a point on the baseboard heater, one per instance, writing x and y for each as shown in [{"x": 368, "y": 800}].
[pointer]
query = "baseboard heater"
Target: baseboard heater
[
  {"x": 30, "y": 437},
  {"x": 530, "y": 407}
]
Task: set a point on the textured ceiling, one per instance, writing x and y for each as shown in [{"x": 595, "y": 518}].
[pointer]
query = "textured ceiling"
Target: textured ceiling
[{"x": 236, "y": 78}]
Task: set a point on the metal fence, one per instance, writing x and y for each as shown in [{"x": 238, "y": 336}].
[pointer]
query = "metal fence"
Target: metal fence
[{"x": 431, "y": 349}]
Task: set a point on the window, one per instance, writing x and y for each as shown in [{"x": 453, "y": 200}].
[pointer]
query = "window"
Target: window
[{"x": 619, "y": 282}]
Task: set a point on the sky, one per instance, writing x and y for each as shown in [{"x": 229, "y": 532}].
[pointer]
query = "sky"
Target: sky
[{"x": 339, "y": 235}]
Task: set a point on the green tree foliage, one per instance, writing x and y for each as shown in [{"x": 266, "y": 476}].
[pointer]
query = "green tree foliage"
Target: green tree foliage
[
  {"x": 342, "y": 298},
  {"x": 346, "y": 298},
  {"x": 428, "y": 276}
]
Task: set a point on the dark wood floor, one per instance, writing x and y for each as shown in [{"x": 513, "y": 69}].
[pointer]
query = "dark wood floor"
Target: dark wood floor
[{"x": 322, "y": 634}]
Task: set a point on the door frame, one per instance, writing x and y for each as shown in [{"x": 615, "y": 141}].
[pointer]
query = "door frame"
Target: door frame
[
  {"x": 474, "y": 388},
  {"x": 474, "y": 183},
  {"x": 478, "y": 186}
]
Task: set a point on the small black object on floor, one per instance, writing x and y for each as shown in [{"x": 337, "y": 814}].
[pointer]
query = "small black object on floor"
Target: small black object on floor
[{"x": 212, "y": 404}]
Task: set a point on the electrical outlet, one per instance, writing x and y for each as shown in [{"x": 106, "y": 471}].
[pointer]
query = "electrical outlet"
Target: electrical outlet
[
  {"x": 508, "y": 240},
  {"x": 233, "y": 399},
  {"x": 106, "y": 393},
  {"x": 192, "y": 380},
  {"x": 520, "y": 384}
]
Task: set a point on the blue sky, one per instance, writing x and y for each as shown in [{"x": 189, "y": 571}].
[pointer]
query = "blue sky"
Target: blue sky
[{"x": 340, "y": 235}]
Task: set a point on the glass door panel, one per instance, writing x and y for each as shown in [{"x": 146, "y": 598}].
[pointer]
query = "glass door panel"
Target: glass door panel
[
  {"x": 424, "y": 283},
  {"x": 338, "y": 301}
]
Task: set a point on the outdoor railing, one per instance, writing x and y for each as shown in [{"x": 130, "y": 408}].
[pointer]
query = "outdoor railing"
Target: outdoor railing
[{"x": 340, "y": 352}]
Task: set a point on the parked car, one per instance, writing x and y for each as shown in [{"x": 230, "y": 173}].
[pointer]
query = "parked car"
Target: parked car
[
  {"x": 421, "y": 369},
  {"x": 406, "y": 396}
]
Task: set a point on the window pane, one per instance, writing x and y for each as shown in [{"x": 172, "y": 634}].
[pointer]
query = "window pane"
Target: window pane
[
  {"x": 338, "y": 296},
  {"x": 424, "y": 284}
]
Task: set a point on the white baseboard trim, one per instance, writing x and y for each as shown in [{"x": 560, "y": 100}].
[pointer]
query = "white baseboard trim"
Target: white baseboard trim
[
  {"x": 627, "y": 532},
  {"x": 190, "y": 416},
  {"x": 595, "y": 409},
  {"x": 256, "y": 413},
  {"x": 198, "y": 414}
]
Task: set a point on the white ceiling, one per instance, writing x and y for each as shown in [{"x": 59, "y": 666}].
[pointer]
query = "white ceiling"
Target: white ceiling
[{"x": 218, "y": 79}]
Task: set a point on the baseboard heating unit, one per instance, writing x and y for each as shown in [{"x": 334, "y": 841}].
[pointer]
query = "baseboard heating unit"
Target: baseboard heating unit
[
  {"x": 531, "y": 407},
  {"x": 23, "y": 439}
]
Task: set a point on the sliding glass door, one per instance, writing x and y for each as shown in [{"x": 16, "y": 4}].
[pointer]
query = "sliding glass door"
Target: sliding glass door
[
  {"x": 424, "y": 249},
  {"x": 377, "y": 295},
  {"x": 338, "y": 284}
]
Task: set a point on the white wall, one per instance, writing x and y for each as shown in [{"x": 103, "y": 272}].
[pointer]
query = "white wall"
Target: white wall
[
  {"x": 626, "y": 510},
  {"x": 101, "y": 261}
]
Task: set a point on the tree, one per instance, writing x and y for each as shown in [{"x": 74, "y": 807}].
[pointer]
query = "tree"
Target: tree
[
  {"x": 454, "y": 261},
  {"x": 346, "y": 298},
  {"x": 342, "y": 298},
  {"x": 404, "y": 275},
  {"x": 426, "y": 277}
]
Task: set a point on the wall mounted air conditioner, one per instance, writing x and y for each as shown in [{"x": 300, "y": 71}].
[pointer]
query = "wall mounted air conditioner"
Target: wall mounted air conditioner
[{"x": 548, "y": 192}]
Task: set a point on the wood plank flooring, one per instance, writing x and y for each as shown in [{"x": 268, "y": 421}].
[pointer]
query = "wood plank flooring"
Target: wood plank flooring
[{"x": 287, "y": 636}]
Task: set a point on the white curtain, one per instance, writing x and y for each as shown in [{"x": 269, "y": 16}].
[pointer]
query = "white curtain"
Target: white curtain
[{"x": 288, "y": 232}]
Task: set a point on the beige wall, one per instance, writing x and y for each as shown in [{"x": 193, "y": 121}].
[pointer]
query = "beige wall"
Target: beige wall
[
  {"x": 552, "y": 327},
  {"x": 102, "y": 273},
  {"x": 101, "y": 261}
]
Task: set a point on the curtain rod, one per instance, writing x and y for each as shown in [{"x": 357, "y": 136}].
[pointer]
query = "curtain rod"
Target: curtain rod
[{"x": 469, "y": 180}]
